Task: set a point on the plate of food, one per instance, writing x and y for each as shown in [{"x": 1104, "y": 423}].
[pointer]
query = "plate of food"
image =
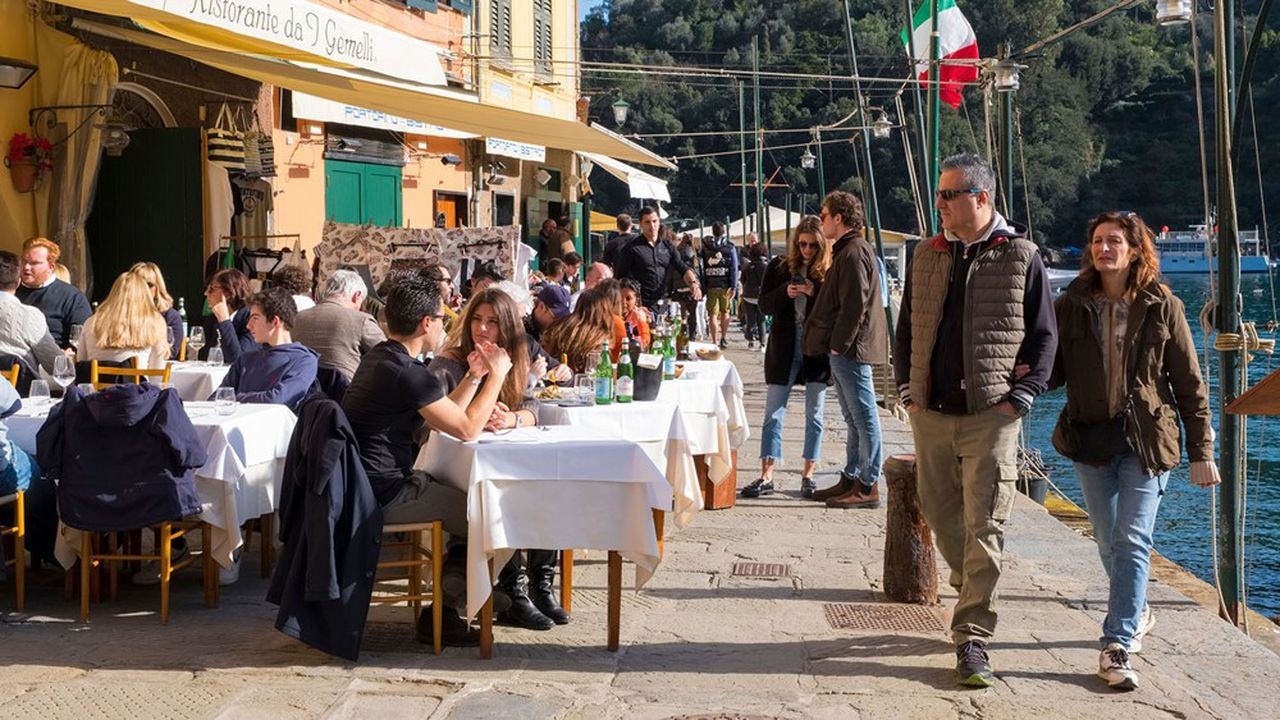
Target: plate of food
[{"x": 708, "y": 353}]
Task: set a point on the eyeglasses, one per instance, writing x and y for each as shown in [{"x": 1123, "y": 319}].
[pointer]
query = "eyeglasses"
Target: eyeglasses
[{"x": 950, "y": 195}]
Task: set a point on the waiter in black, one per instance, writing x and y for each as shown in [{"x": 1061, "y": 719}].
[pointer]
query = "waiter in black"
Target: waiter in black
[{"x": 647, "y": 260}]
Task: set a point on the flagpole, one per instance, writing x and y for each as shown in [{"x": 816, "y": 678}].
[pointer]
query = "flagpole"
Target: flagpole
[
  {"x": 759, "y": 140},
  {"x": 869, "y": 189},
  {"x": 920, "y": 128},
  {"x": 935, "y": 114},
  {"x": 742, "y": 159}
]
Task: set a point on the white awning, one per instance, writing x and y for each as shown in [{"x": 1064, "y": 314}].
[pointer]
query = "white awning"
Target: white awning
[{"x": 641, "y": 183}]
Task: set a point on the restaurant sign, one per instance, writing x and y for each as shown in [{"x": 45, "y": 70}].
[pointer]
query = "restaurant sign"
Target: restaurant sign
[
  {"x": 317, "y": 30},
  {"x": 513, "y": 149},
  {"x": 311, "y": 107}
]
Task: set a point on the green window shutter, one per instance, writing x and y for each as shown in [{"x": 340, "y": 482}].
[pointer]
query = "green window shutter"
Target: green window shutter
[
  {"x": 423, "y": 5},
  {"x": 463, "y": 6},
  {"x": 343, "y": 191}
]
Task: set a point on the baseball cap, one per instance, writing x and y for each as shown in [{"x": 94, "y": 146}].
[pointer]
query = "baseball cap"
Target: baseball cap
[{"x": 556, "y": 298}]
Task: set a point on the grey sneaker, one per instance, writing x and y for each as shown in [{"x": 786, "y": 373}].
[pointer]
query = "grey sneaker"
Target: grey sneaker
[
  {"x": 973, "y": 667},
  {"x": 1145, "y": 623},
  {"x": 1114, "y": 667}
]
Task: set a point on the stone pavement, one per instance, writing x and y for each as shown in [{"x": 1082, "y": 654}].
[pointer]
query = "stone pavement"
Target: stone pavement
[{"x": 697, "y": 641}]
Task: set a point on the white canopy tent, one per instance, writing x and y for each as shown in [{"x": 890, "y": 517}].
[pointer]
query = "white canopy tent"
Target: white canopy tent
[{"x": 641, "y": 184}]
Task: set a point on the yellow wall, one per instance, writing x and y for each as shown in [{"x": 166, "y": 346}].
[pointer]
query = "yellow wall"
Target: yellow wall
[
  {"x": 424, "y": 174},
  {"x": 525, "y": 94},
  {"x": 17, "y": 210}
]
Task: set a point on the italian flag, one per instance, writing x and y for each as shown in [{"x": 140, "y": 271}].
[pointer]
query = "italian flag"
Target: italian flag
[{"x": 956, "y": 41}]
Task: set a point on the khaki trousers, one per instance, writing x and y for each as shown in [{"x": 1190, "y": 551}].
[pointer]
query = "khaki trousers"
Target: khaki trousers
[{"x": 966, "y": 466}]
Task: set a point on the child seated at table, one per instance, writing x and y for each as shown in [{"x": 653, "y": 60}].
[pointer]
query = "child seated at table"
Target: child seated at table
[
  {"x": 635, "y": 315},
  {"x": 282, "y": 371}
]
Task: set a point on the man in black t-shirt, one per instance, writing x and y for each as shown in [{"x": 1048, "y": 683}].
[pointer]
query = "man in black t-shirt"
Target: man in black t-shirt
[{"x": 392, "y": 396}]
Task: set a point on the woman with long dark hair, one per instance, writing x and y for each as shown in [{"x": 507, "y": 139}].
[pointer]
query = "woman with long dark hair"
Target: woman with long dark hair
[
  {"x": 790, "y": 284},
  {"x": 1126, "y": 356},
  {"x": 492, "y": 316},
  {"x": 228, "y": 297}
]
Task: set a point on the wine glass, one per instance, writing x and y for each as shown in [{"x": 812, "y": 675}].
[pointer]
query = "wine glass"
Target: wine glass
[
  {"x": 224, "y": 400},
  {"x": 74, "y": 338},
  {"x": 214, "y": 357},
  {"x": 39, "y": 393},
  {"x": 64, "y": 371},
  {"x": 195, "y": 341},
  {"x": 169, "y": 338}
]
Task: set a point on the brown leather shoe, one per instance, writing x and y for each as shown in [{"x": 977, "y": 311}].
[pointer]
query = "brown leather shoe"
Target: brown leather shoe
[
  {"x": 842, "y": 487},
  {"x": 855, "y": 499}
]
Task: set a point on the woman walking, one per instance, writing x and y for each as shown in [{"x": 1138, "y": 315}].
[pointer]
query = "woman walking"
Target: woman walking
[
  {"x": 1129, "y": 364},
  {"x": 790, "y": 284}
]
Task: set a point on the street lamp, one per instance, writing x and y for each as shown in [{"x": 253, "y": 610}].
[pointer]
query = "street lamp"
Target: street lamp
[
  {"x": 1173, "y": 12},
  {"x": 881, "y": 127},
  {"x": 808, "y": 160},
  {"x": 1006, "y": 72},
  {"x": 620, "y": 112},
  {"x": 15, "y": 73}
]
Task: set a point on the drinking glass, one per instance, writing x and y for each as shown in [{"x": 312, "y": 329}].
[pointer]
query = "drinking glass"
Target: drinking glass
[
  {"x": 195, "y": 341},
  {"x": 169, "y": 338},
  {"x": 74, "y": 338},
  {"x": 64, "y": 371},
  {"x": 39, "y": 393},
  {"x": 585, "y": 387},
  {"x": 215, "y": 356},
  {"x": 224, "y": 400}
]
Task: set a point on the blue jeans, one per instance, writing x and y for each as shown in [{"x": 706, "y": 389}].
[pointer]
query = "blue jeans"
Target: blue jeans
[
  {"x": 855, "y": 388},
  {"x": 1122, "y": 500},
  {"x": 775, "y": 411}
]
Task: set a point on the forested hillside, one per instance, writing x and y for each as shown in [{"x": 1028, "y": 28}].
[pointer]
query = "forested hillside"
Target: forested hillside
[{"x": 1107, "y": 115}]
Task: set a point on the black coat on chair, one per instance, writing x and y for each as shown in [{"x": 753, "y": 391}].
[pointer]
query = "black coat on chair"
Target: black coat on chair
[{"x": 331, "y": 527}]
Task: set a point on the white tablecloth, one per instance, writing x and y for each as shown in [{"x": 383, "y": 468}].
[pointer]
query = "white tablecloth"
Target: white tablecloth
[
  {"x": 659, "y": 429},
  {"x": 196, "y": 382},
  {"x": 551, "y": 487},
  {"x": 240, "y": 480},
  {"x": 709, "y": 395}
]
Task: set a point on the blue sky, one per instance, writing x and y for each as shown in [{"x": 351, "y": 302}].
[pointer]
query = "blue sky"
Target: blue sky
[{"x": 584, "y": 7}]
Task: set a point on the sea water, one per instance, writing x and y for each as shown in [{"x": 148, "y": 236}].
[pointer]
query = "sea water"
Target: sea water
[{"x": 1184, "y": 527}]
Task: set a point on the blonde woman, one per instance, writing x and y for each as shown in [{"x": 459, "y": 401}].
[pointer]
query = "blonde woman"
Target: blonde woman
[
  {"x": 150, "y": 274},
  {"x": 787, "y": 291},
  {"x": 127, "y": 326}
]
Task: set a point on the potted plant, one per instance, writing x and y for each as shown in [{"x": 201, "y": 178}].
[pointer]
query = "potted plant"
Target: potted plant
[{"x": 27, "y": 159}]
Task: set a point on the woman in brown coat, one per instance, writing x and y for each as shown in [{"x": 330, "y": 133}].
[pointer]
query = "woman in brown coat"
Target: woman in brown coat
[{"x": 1127, "y": 358}]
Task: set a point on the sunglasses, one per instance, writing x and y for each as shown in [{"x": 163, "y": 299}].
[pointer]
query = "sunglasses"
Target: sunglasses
[
  {"x": 806, "y": 244},
  {"x": 950, "y": 195}
]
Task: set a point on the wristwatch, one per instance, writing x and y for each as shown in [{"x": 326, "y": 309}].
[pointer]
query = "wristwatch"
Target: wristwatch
[
  {"x": 519, "y": 420},
  {"x": 474, "y": 380}
]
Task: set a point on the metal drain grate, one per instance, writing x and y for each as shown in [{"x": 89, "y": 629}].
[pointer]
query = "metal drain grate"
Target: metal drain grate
[
  {"x": 761, "y": 570},
  {"x": 871, "y": 616}
]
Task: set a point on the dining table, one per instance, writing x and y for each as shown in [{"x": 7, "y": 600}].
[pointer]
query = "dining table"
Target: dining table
[
  {"x": 239, "y": 481},
  {"x": 556, "y": 488},
  {"x": 197, "y": 380}
]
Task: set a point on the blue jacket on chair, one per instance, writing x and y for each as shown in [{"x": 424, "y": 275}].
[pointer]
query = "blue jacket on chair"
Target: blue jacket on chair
[
  {"x": 331, "y": 529},
  {"x": 125, "y": 457}
]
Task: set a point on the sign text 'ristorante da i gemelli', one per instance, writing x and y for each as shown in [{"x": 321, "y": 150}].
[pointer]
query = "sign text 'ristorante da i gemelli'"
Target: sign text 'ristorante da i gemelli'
[{"x": 317, "y": 30}]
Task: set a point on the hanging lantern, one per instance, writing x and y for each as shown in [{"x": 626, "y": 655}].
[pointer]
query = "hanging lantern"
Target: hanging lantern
[
  {"x": 1173, "y": 12},
  {"x": 807, "y": 160},
  {"x": 1006, "y": 72},
  {"x": 881, "y": 128},
  {"x": 620, "y": 112}
]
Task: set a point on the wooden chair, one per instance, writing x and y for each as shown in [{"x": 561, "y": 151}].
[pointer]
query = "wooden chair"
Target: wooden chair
[
  {"x": 112, "y": 555},
  {"x": 12, "y": 374},
  {"x": 182, "y": 350},
  {"x": 419, "y": 557},
  {"x": 266, "y": 541},
  {"x": 125, "y": 374},
  {"x": 19, "y": 532}
]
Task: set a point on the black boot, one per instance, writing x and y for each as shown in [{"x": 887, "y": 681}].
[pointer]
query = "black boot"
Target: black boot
[
  {"x": 542, "y": 577},
  {"x": 454, "y": 631},
  {"x": 514, "y": 583}
]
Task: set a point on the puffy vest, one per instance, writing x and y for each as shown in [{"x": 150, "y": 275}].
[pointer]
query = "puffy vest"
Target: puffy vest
[{"x": 995, "y": 324}]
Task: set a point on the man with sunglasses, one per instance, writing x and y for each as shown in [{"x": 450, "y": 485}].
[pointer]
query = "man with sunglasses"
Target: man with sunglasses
[
  {"x": 976, "y": 305},
  {"x": 847, "y": 323}
]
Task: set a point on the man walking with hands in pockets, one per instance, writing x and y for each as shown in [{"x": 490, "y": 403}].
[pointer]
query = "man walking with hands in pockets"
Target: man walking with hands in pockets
[{"x": 976, "y": 305}]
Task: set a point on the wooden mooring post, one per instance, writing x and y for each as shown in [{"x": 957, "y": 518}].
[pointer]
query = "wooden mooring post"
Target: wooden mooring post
[{"x": 910, "y": 570}]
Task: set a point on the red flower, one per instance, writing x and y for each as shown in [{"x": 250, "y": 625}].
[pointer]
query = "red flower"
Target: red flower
[{"x": 26, "y": 149}]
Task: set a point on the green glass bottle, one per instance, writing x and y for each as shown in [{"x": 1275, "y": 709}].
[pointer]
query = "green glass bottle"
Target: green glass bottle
[
  {"x": 668, "y": 357},
  {"x": 604, "y": 376},
  {"x": 625, "y": 385}
]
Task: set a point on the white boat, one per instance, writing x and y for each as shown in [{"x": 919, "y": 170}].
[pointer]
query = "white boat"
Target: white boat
[{"x": 1192, "y": 251}]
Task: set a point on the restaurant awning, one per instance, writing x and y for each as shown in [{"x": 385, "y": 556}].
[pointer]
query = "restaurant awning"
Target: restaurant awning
[
  {"x": 603, "y": 222},
  {"x": 294, "y": 30},
  {"x": 640, "y": 183},
  {"x": 437, "y": 106}
]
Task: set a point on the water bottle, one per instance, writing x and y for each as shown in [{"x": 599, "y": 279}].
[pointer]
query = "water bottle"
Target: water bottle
[{"x": 182, "y": 313}]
